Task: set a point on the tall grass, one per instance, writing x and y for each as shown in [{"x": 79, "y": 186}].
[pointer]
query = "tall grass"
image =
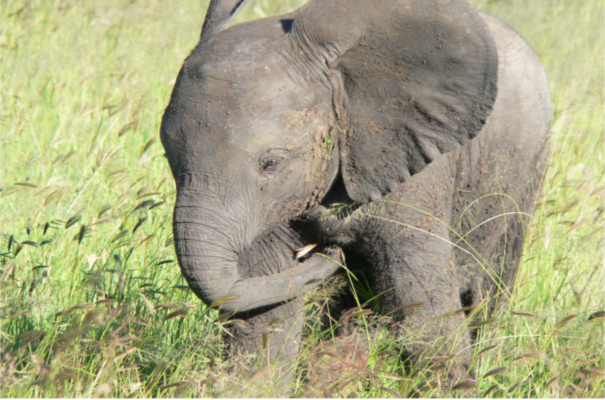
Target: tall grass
[{"x": 93, "y": 302}]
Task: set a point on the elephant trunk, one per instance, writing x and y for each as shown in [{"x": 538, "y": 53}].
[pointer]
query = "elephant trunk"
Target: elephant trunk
[
  {"x": 223, "y": 266},
  {"x": 206, "y": 259}
]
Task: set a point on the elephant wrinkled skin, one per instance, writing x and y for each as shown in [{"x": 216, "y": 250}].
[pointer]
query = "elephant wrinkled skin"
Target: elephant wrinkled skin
[{"x": 429, "y": 119}]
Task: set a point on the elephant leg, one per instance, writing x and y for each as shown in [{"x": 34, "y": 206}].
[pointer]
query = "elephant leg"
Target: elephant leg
[
  {"x": 272, "y": 335},
  {"x": 499, "y": 247},
  {"x": 419, "y": 289},
  {"x": 407, "y": 242},
  {"x": 492, "y": 208}
]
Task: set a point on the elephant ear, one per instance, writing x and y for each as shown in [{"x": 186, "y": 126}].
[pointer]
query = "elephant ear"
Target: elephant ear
[
  {"x": 411, "y": 80},
  {"x": 219, "y": 14}
]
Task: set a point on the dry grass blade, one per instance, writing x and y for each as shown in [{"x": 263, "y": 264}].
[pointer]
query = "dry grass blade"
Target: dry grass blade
[
  {"x": 32, "y": 335},
  {"x": 465, "y": 385},
  {"x": 74, "y": 219},
  {"x": 226, "y": 298},
  {"x": 103, "y": 210},
  {"x": 361, "y": 312},
  {"x": 525, "y": 314},
  {"x": 176, "y": 384},
  {"x": 103, "y": 390},
  {"x": 106, "y": 301},
  {"x": 168, "y": 306},
  {"x": 485, "y": 350},
  {"x": 138, "y": 224},
  {"x": 147, "y": 145},
  {"x": 392, "y": 393},
  {"x": 437, "y": 368},
  {"x": 11, "y": 239},
  {"x": 63, "y": 312},
  {"x": 356, "y": 312},
  {"x": 600, "y": 370},
  {"x": 328, "y": 354},
  {"x": 26, "y": 184},
  {"x": 80, "y": 235},
  {"x": 392, "y": 353},
  {"x": 159, "y": 203},
  {"x": 488, "y": 391},
  {"x": 436, "y": 360},
  {"x": 515, "y": 387},
  {"x": 529, "y": 355},
  {"x": 550, "y": 382},
  {"x": 91, "y": 316},
  {"x": 126, "y": 128},
  {"x": 481, "y": 323},
  {"x": 258, "y": 375},
  {"x": 303, "y": 251},
  {"x": 143, "y": 205},
  {"x": 103, "y": 221},
  {"x": 410, "y": 306},
  {"x": 313, "y": 282},
  {"x": 147, "y": 238},
  {"x": 240, "y": 323},
  {"x": 564, "y": 321},
  {"x": 119, "y": 236},
  {"x": 7, "y": 271},
  {"x": 83, "y": 306},
  {"x": 178, "y": 313},
  {"x": 495, "y": 371},
  {"x": 148, "y": 304},
  {"x": 147, "y": 194},
  {"x": 596, "y": 316},
  {"x": 452, "y": 313}
]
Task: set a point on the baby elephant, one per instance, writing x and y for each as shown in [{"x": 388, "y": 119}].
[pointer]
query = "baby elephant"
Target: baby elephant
[{"x": 408, "y": 136}]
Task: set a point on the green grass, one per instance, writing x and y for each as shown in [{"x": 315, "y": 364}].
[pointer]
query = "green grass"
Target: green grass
[{"x": 92, "y": 301}]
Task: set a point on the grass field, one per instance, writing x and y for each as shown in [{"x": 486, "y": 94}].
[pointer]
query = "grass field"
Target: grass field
[{"x": 92, "y": 299}]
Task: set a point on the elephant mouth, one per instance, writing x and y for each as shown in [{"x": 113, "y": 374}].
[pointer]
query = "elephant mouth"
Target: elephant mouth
[{"x": 280, "y": 248}]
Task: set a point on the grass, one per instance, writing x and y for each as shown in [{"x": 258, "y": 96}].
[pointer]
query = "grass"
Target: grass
[{"x": 93, "y": 303}]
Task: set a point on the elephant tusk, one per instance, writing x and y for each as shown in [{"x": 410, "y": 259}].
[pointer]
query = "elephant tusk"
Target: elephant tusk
[{"x": 303, "y": 251}]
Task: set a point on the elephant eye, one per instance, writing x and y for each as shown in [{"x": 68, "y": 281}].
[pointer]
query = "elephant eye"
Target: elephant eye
[{"x": 269, "y": 163}]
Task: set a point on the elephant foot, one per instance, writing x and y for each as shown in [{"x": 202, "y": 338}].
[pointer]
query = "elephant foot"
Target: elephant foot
[
  {"x": 272, "y": 336},
  {"x": 335, "y": 365},
  {"x": 440, "y": 352}
]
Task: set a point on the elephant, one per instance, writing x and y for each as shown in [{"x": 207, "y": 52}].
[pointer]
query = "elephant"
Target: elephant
[{"x": 409, "y": 137}]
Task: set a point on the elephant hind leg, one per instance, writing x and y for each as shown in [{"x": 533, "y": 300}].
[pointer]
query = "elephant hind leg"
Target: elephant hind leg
[
  {"x": 489, "y": 257},
  {"x": 488, "y": 260},
  {"x": 505, "y": 258}
]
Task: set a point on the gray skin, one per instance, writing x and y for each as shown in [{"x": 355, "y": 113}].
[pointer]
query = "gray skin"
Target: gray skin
[{"x": 428, "y": 118}]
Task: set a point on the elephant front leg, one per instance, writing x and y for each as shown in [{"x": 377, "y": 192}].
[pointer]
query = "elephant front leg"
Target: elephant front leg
[
  {"x": 271, "y": 335},
  {"x": 426, "y": 303},
  {"x": 416, "y": 282}
]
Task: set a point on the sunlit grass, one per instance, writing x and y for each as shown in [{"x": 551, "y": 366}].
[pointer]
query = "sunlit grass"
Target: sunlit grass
[{"x": 93, "y": 302}]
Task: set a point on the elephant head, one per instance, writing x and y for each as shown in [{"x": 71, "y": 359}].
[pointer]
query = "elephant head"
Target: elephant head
[{"x": 270, "y": 119}]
